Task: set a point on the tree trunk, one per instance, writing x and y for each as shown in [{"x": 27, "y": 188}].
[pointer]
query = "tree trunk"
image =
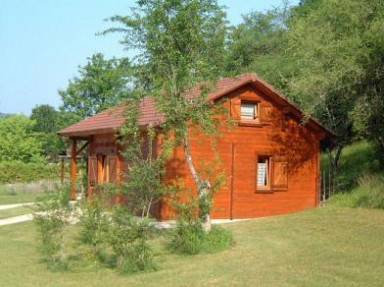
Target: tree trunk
[
  {"x": 334, "y": 160},
  {"x": 203, "y": 186}
]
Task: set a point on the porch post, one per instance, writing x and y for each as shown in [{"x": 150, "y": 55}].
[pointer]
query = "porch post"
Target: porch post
[{"x": 73, "y": 170}]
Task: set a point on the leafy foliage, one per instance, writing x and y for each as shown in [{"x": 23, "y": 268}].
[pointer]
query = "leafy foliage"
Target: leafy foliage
[
  {"x": 17, "y": 171},
  {"x": 339, "y": 53},
  {"x": 143, "y": 186},
  {"x": 102, "y": 83},
  {"x": 128, "y": 237},
  {"x": 94, "y": 223},
  {"x": 190, "y": 237},
  {"x": 47, "y": 123},
  {"x": 46, "y": 119},
  {"x": 18, "y": 141},
  {"x": 51, "y": 216},
  {"x": 179, "y": 44},
  {"x": 368, "y": 194}
]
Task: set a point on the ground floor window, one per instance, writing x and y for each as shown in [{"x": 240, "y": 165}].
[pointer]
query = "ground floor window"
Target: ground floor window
[
  {"x": 263, "y": 171},
  {"x": 271, "y": 173}
]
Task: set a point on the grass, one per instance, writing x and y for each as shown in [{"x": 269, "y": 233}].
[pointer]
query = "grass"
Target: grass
[
  {"x": 10, "y": 196},
  {"x": 321, "y": 247},
  {"x": 360, "y": 182},
  {"x": 18, "y": 198},
  {"x": 15, "y": 211},
  {"x": 357, "y": 160},
  {"x": 369, "y": 194}
]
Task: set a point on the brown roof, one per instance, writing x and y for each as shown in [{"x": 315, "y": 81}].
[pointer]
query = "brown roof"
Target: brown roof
[{"x": 113, "y": 118}]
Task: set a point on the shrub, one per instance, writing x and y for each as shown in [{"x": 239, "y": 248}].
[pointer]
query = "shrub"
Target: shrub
[
  {"x": 190, "y": 237},
  {"x": 217, "y": 239},
  {"x": 52, "y": 213},
  {"x": 128, "y": 237},
  {"x": 17, "y": 171},
  {"x": 94, "y": 224}
]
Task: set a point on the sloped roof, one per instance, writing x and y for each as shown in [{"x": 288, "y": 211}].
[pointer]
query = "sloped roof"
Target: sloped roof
[{"x": 113, "y": 118}]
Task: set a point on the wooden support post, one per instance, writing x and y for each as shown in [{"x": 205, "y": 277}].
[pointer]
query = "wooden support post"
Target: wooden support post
[
  {"x": 73, "y": 170},
  {"x": 232, "y": 181},
  {"x": 62, "y": 170}
]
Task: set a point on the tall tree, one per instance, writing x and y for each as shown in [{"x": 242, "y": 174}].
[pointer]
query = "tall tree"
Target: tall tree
[
  {"x": 259, "y": 44},
  {"x": 102, "y": 83},
  {"x": 335, "y": 58},
  {"x": 47, "y": 123},
  {"x": 179, "y": 43}
]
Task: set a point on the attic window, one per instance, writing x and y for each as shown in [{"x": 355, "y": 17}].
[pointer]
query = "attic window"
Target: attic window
[{"x": 249, "y": 110}]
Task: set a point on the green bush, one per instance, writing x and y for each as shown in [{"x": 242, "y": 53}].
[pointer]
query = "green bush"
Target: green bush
[
  {"x": 128, "y": 238},
  {"x": 217, "y": 239},
  {"x": 17, "y": 171},
  {"x": 189, "y": 236},
  {"x": 94, "y": 224},
  {"x": 368, "y": 194},
  {"x": 52, "y": 213}
]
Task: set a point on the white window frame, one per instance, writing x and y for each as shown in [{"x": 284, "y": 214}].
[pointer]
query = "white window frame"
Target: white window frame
[
  {"x": 263, "y": 168},
  {"x": 248, "y": 110}
]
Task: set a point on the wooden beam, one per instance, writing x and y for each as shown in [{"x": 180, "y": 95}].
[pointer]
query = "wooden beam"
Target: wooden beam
[
  {"x": 82, "y": 148},
  {"x": 73, "y": 170}
]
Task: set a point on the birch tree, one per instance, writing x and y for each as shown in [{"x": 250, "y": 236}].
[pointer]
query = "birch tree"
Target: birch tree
[{"x": 178, "y": 43}]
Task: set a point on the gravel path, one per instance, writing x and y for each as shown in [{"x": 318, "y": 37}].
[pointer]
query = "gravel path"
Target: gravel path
[
  {"x": 16, "y": 219},
  {"x": 9, "y": 206}
]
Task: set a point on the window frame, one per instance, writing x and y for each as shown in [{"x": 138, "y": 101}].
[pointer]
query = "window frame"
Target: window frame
[
  {"x": 271, "y": 186},
  {"x": 268, "y": 186},
  {"x": 256, "y": 116}
]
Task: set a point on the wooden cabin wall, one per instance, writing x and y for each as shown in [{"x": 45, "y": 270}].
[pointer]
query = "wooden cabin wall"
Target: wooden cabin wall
[
  {"x": 275, "y": 134},
  {"x": 104, "y": 146}
]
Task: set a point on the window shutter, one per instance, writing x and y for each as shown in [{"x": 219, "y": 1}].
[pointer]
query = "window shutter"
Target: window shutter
[
  {"x": 112, "y": 168},
  {"x": 266, "y": 113},
  {"x": 92, "y": 170},
  {"x": 280, "y": 174}
]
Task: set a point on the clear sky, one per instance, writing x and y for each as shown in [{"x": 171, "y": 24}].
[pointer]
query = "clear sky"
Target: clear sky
[{"x": 42, "y": 43}]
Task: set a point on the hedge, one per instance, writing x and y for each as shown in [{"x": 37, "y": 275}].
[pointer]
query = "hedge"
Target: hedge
[{"x": 12, "y": 172}]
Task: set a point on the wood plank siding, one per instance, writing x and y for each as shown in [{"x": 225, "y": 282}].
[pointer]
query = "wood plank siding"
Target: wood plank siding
[
  {"x": 270, "y": 155},
  {"x": 274, "y": 135}
]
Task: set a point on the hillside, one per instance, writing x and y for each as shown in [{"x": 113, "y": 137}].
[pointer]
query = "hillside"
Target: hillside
[{"x": 360, "y": 182}]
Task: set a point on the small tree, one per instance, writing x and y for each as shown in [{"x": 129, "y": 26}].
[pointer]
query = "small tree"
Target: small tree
[
  {"x": 180, "y": 43},
  {"x": 51, "y": 216},
  {"x": 146, "y": 165}
]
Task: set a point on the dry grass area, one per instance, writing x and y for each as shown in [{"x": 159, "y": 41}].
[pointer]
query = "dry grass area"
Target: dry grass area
[{"x": 323, "y": 247}]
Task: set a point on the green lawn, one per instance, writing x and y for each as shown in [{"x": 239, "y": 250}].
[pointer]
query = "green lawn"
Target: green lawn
[
  {"x": 15, "y": 211},
  {"x": 7, "y": 197},
  {"x": 322, "y": 247}
]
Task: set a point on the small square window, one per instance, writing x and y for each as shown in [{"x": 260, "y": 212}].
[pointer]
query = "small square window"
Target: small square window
[{"x": 249, "y": 110}]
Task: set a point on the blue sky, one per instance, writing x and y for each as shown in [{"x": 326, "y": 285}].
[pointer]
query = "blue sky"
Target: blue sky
[{"x": 44, "y": 41}]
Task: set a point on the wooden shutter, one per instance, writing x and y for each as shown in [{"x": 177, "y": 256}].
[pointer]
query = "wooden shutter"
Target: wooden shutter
[
  {"x": 235, "y": 105},
  {"x": 265, "y": 113},
  {"x": 92, "y": 170},
  {"x": 280, "y": 175},
  {"x": 112, "y": 168}
]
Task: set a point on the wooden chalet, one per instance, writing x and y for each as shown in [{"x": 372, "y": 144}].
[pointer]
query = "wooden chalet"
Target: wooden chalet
[{"x": 271, "y": 157}]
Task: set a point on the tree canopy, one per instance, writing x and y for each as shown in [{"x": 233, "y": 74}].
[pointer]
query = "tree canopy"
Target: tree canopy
[
  {"x": 18, "y": 141},
  {"x": 102, "y": 83}
]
